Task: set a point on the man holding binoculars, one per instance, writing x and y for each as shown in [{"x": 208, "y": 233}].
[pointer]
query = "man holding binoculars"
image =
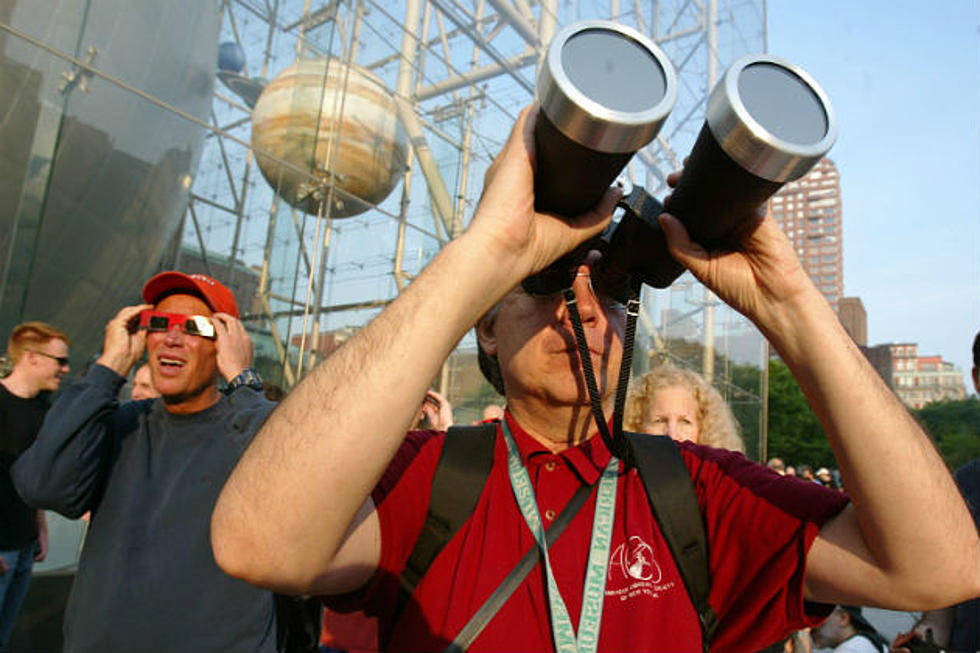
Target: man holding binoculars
[{"x": 331, "y": 495}]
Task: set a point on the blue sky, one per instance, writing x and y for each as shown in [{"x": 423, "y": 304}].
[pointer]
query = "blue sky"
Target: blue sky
[{"x": 904, "y": 78}]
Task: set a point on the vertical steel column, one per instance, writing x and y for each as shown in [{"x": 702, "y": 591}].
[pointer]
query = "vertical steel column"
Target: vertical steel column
[
  {"x": 708, "y": 362},
  {"x": 406, "y": 111}
]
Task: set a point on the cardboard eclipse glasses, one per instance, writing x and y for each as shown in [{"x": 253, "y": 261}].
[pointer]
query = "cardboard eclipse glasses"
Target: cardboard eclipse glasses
[{"x": 192, "y": 325}]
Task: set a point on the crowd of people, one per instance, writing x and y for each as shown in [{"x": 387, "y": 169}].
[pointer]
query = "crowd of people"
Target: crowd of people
[{"x": 215, "y": 509}]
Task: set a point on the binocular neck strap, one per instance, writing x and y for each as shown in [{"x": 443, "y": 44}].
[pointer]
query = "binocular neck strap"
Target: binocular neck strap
[{"x": 615, "y": 441}]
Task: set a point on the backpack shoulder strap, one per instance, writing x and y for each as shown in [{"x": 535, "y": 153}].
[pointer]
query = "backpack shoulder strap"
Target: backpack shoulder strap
[
  {"x": 675, "y": 507},
  {"x": 467, "y": 456}
]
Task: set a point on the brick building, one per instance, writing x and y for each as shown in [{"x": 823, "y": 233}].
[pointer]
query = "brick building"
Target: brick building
[
  {"x": 920, "y": 380},
  {"x": 809, "y": 211}
]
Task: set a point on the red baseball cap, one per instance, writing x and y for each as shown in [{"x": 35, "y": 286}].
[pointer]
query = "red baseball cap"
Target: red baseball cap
[{"x": 215, "y": 294}]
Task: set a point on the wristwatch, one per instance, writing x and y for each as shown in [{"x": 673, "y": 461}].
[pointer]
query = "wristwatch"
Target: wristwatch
[{"x": 248, "y": 377}]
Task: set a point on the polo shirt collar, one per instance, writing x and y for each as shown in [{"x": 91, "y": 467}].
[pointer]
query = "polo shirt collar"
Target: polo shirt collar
[{"x": 588, "y": 459}]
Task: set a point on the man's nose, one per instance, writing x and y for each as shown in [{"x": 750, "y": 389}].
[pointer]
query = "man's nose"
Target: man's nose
[
  {"x": 586, "y": 300},
  {"x": 175, "y": 334}
]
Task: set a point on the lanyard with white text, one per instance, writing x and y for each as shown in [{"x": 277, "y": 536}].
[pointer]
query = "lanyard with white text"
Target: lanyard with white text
[{"x": 595, "y": 579}]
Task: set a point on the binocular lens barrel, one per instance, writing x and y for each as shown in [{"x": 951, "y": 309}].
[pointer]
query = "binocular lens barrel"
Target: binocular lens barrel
[
  {"x": 768, "y": 122},
  {"x": 605, "y": 90}
]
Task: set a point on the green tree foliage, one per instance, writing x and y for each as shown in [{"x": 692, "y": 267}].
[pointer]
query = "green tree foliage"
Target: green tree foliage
[
  {"x": 955, "y": 428},
  {"x": 743, "y": 397},
  {"x": 795, "y": 434}
]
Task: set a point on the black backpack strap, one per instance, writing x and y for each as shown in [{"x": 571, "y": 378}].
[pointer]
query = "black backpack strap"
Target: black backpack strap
[
  {"x": 299, "y": 620},
  {"x": 467, "y": 456},
  {"x": 675, "y": 507}
]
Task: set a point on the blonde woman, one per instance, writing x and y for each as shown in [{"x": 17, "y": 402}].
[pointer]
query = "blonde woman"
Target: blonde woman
[{"x": 680, "y": 403}]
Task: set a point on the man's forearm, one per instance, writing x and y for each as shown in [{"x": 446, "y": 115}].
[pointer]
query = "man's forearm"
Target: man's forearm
[
  {"x": 910, "y": 515},
  {"x": 322, "y": 451}
]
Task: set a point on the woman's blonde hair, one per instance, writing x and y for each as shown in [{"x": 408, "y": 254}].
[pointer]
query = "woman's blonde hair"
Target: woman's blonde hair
[{"x": 718, "y": 427}]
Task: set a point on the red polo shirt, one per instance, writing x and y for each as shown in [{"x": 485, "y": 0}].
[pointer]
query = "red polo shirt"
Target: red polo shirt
[{"x": 759, "y": 527}]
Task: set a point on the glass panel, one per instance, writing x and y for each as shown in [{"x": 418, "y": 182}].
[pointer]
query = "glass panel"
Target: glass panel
[
  {"x": 119, "y": 164},
  {"x": 690, "y": 328},
  {"x": 38, "y": 85}
]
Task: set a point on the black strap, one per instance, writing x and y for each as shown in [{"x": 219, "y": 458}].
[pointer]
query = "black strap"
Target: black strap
[
  {"x": 299, "y": 621},
  {"x": 492, "y": 605},
  {"x": 615, "y": 445},
  {"x": 676, "y": 509},
  {"x": 464, "y": 466},
  {"x": 467, "y": 456}
]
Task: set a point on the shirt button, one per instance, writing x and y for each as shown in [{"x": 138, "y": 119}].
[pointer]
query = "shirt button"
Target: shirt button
[
  {"x": 549, "y": 515},
  {"x": 550, "y": 465}
]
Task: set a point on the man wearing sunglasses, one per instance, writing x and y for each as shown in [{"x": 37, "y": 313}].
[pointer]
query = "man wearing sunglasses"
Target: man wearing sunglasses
[
  {"x": 39, "y": 353},
  {"x": 331, "y": 495},
  {"x": 150, "y": 472}
]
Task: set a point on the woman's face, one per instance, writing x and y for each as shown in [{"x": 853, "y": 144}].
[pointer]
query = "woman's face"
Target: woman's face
[{"x": 673, "y": 411}]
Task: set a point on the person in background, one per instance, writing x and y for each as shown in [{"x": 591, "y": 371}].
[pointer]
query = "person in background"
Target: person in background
[
  {"x": 956, "y": 628},
  {"x": 847, "y": 631},
  {"x": 672, "y": 401},
  {"x": 824, "y": 477},
  {"x": 150, "y": 472},
  {"x": 143, "y": 384},
  {"x": 435, "y": 413},
  {"x": 39, "y": 353},
  {"x": 491, "y": 413},
  {"x": 777, "y": 465},
  {"x": 274, "y": 393}
]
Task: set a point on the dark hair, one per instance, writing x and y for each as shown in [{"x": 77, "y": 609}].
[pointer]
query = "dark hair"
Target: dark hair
[
  {"x": 863, "y": 626},
  {"x": 976, "y": 351},
  {"x": 490, "y": 367}
]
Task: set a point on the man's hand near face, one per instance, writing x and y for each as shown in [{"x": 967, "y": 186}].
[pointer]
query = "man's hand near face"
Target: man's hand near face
[
  {"x": 123, "y": 345},
  {"x": 233, "y": 345}
]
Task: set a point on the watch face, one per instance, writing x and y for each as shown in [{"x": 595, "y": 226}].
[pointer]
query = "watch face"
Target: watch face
[{"x": 248, "y": 377}]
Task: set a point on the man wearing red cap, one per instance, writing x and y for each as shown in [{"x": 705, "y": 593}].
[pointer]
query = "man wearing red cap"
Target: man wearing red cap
[{"x": 150, "y": 472}]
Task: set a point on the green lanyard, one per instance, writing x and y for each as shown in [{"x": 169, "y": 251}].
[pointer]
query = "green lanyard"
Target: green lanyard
[{"x": 595, "y": 579}]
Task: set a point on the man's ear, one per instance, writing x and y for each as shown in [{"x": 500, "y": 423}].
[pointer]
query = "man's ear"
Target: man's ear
[{"x": 486, "y": 336}]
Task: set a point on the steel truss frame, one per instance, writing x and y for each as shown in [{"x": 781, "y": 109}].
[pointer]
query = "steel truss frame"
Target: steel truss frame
[{"x": 460, "y": 71}]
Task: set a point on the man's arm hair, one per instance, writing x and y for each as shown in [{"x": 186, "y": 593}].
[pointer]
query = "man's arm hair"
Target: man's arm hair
[
  {"x": 284, "y": 519},
  {"x": 907, "y": 541}
]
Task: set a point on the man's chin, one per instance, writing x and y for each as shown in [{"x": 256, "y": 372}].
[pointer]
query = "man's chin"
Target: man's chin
[{"x": 172, "y": 399}]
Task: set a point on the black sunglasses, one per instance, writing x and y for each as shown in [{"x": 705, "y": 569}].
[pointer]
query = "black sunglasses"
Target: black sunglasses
[
  {"x": 62, "y": 360},
  {"x": 553, "y": 280}
]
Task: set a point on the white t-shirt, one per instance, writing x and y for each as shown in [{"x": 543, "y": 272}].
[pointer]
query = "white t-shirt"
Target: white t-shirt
[{"x": 858, "y": 644}]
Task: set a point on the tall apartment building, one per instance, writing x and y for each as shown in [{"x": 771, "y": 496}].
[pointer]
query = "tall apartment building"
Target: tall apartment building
[
  {"x": 920, "y": 380},
  {"x": 809, "y": 211}
]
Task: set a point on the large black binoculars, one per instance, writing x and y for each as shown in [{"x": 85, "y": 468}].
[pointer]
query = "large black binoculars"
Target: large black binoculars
[{"x": 605, "y": 90}]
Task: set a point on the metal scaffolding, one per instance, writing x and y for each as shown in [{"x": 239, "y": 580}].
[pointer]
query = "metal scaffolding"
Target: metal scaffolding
[{"x": 459, "y": 73}]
